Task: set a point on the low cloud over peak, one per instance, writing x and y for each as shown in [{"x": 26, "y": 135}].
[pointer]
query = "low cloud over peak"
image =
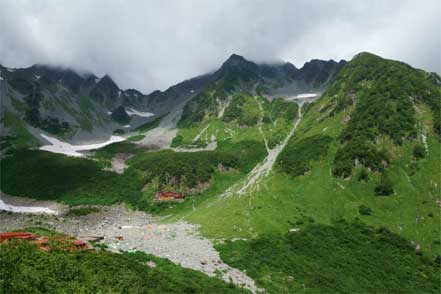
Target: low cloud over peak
[{"x": 152, "y": 44}]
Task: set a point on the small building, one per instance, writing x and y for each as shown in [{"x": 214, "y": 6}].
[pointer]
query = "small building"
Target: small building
[
  {"x": 43, "y": 242},
  {"x": 168, "y": 196},
  {"x": 5, "y": 237},
  {"x": 80, "y": 245}
]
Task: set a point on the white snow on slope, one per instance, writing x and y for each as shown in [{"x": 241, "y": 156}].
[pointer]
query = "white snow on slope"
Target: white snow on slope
[
  {"x": 58, "y": 146},
  {"x": 303, "y": 96},
  {"x": 132, "y": 111},
  {"x": 307, "y": 95},
  {"x": 26, "y": 209}
]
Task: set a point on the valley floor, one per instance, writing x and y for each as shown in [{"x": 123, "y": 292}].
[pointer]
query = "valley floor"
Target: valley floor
[{"x": 127, "y": 230}]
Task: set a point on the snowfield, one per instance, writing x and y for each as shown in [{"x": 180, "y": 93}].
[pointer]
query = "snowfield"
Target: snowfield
[
  {"x": 303, "y": 96},
  {"x": 307, "y": 95},
  {"x": 132, "y": 111},
  {"x": 61, "y": 147},
  {"x": 26, "y": 209}
]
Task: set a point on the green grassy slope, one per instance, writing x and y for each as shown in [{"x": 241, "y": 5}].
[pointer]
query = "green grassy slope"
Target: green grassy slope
[
  {"x": 314, "y": 193},
  {"x": 342, "y": 258},
  {"x": 20, "y": 138}
]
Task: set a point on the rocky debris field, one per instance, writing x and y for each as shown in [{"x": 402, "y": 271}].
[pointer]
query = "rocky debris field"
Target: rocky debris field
[
  {"x": 118, "y": 163},
  {"x": 122, "y": 229}
]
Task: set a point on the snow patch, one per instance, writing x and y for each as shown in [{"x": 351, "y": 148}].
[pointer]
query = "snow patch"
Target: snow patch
[
  {"x": 10, "y": 69},
  {"x": 132, "y": 111},
  {"x": 307, "y": 95},
  {"x": 26, "y": 209},
  {"x": 61, "y": 147},
  {"x": 126, "y": 126},
  {"x": 37, "y": 77},
  {"x": 303, "y": 96}
]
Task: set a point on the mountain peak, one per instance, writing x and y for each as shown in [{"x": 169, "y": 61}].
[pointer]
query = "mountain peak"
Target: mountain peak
[
  {"x": 106, "y": 79},
  {"x": 235, "y": 60},
  {"x": 366, "y": 56},
  {"x": 107, "y": 82}
]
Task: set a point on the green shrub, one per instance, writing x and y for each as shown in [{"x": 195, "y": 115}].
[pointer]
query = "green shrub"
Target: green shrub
[
  {"x": 419, "y": 151},
  {"x": 135, "y": 138},
  {"x": 384, "y": 187},
  {"x": 177, "y": 141},
  {"x": 363, "y": 176},
  {"x": 296, "y": 157},
  {"x": 362, "y": 150},
  {"x": 120, "y": 115},
  {"x": 242, "y": 109},
  {"x": 25, "y": 269},
  {"x": 364, "y": 210},
  {"x": 109, "y": 151},
  {"x": 119, "y": 132},
  {"x": 339, "y": 258}
]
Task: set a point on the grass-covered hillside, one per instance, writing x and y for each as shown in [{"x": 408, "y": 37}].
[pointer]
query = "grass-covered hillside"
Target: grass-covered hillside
[
  {"x": 391, "y": 181},
  {"x": 339, "y": 258}
]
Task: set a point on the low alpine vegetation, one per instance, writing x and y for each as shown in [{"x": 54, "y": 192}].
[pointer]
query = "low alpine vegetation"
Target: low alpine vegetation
[
  {"x": 345, "y": 257},
  {"x": 296, "y": 158}
]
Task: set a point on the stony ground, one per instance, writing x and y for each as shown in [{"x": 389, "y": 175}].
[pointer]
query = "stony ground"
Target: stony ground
[{"x": 123, "y": 229}]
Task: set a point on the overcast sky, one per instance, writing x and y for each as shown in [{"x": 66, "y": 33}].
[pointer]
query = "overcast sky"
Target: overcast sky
[{"x": 151, "y": 45}]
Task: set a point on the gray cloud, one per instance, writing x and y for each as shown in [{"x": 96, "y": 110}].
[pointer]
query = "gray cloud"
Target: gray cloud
[{"x": 153, "y": 44}]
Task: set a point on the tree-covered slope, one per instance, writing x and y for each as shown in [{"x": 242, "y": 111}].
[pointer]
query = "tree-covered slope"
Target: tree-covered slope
[{"x": 26, "y": 269}]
